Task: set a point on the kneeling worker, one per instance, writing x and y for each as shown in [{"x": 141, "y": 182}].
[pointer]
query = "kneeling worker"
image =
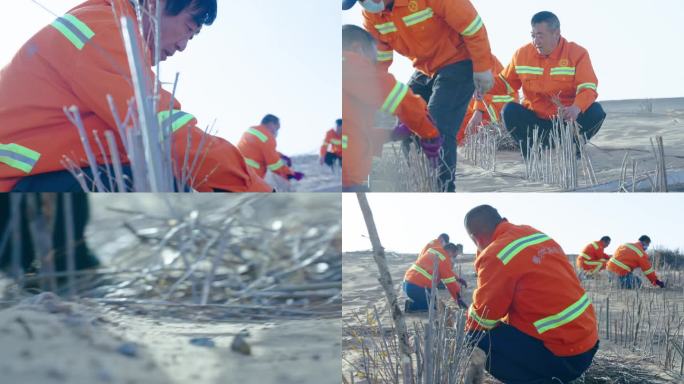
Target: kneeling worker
[
  {"x": 593, "y": 259},
  {"x": 629, "y": 257},
  {"x": 528, "y": 299}
]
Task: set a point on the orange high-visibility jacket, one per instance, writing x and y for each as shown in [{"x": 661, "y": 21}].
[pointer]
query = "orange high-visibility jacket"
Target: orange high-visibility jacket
[
  {"x": 491, "y": 105},
  {"x": 78, "y": 60},
  {"x": 258, "y": 146},
  {"x": 525, "y": 279},
  {"x": 566, "y": 74},
  {"x": 332, "y": 143},
  {"x": 431, "y": 33},
  {"x": 421, "y": 272},
  {"x": 630, "y": 256},
  {"x": 367, "y": 89},
  {"x": 592, "y": 258}
]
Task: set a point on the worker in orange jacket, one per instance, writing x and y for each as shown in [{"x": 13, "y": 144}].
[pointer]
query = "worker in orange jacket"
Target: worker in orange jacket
[
  {"x": 447, "y": 42},
  {"x": 331, "y": 150},
  {"x": 417, "y": 282},
  {"x": 366, "y": 88},
  {"x": 258, "y": 146},
  {"x": 550, "y": 70},
  {"x": 484, "y": 109},
  {"x": 528, "y": 298},
  {"x": 79, "y": 60},
  {"x": 629, "y": 257},
  {"x": 593, "y": 258}
]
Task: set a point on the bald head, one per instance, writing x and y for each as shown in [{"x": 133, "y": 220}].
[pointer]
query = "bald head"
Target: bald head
[{"x": 482, "y": 220}]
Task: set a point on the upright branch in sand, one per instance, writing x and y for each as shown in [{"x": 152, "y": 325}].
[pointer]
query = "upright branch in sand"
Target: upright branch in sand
[
  {"x": 482, "y": 144},
  {"x": 656, "y": 178},
  {"x": 406, "y": 170},
  {"x": 386, "y": 283}
]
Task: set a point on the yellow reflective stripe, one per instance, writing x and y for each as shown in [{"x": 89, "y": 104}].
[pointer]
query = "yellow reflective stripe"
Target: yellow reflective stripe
[
  {"x": 516, "y": 246},
  {"x": 253, "y": 131},
  {"x": 584, "y": 255},
  {"x": 562, "y": 71},
  {"x": 175, "y": 118},
  {"x": 423, "y": 272},
  {"x": 509, "y": 89},
  {"x": 385, "y": 55},
  {"x": 438, "y": 253},
  {"x": 252, "y": 163},
  {"x": 386, "y": 28},
  {"x": 620, "y": 264},
  {"x": 595, "y": 245},
  {"x": 483, "y": 322},
  {"x": 345, "y": 141},
  {"x": 502, "y": 99},
  {"x": 474, "y": 27},
  {"x": 492, "y": 113},
  {"x": 418, "y": 17},
  {"x": 567, "y": 315},
  {"x": 449, "y": 280},
  {"x": 395, "y": 97},
  {"x": 586, "y": 86},
  {"x": 593, "y": 262},
  {"x": 335, "y": 142},
  {"x": 19, "y": 157},
  {"x": 276, "y": 166},
  {"x": 635, "y": 249},
  {"x": 74, "y": 30},
  {"x": 649, "y": 271},
  {"x": 523, "y": 69}
]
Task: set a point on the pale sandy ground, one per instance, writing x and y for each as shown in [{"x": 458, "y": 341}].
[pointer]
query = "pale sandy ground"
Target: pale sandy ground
[
  {"x": 319, "y": 178},
  {"x": 361, "y": 290},
  {"x": 48, "y": 343},
  {"x": 627, "y": 129}
]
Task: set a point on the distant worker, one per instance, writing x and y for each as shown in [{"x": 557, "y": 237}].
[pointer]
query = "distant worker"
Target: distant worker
[
  {"x": 79, "y": 60},
  {"x": 448, "y": 45},
  {"x": 366, "y": 88},
  {"x": 629, "y": 257},
  {"x": 550, "y": 70},
  {"x": 485, "y": 109},
  {"x": 540, "y": 324},
  {"x": 258, "y": 146},
  {"x": 331, "y": 150},
  {"x": 418, "y": 278},
  {"x": 593, "y": 259}
]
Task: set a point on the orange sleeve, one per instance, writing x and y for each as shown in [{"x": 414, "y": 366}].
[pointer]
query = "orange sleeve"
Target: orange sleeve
[
  {"x": 324, "y": 146},
  {"x": 446, "y": 274},
  {"x": 385, "y": 53},
  {"x": 273, "y": 161},
  {"x": 380, "y": 90},
  {"x": 462, "y": 17},
  {"x": 104, "y": 71},
  {"x": 647, "y": 269},
  {"x": 586, "y": 82},
  {"x": 493, "y": 296},
  {"x": 507, "y": 81}
]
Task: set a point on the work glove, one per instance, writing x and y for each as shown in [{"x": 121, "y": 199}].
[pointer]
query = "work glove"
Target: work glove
[
  {"x": 297, "y": 176},
  {"x": 401, "y": 131},
  {"x": 660, "y": 283},
  {"x": 484, "y": 81},
  {"x": 286, "y": 160},
  {"x": 461, "y": 303},
  {"x": 462, "y": 282},
  {"x": 431, "y": 147}
]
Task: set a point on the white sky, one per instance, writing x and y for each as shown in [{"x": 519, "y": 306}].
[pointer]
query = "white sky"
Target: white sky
[
  {"x": 259, "y": 56},
  {"x": 635, "y": 45},
  {"x": 406, "y": 222}
]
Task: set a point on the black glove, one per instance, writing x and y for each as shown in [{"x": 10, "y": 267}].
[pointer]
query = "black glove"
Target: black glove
[
  {"x": 462, "y": 282},
  {"x": 461, "y": 303},
  {"x": 660, "y": 284}
]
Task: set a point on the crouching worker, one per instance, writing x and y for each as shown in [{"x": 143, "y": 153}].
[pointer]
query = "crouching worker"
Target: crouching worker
[
  {"x": 418, "y": 278},
  {"x": 629, "y": 257},
  {"x": 536, "y": 321}
]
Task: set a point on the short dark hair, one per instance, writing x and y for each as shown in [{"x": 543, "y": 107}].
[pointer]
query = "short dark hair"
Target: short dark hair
[
  {"x": 268, "y": 119},
  {"x": 451, "y": 247},
  {"x": 605, "y": 239},
  {"x": 338, "y": 122},
  {"x": 482, "y": 219},
  {"x": 459, "y": 247},
  {"x": 645, "y": 239},
  {"x": 355, "y": 34},
  {"x": 444, "y": 237},
  {"x": 546, "y": 17},
  {"x": 203, "y": 11}
]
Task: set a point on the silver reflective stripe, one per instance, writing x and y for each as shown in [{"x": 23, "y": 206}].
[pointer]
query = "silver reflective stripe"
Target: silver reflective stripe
[
  {"x": 74, "y": 30},
  {"x": 19, "y": 157}
]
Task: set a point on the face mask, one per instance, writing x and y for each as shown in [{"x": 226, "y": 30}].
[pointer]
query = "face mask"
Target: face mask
[
  {"x": 645, "y": 246},
  {"x": 373, "y": 7}
]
